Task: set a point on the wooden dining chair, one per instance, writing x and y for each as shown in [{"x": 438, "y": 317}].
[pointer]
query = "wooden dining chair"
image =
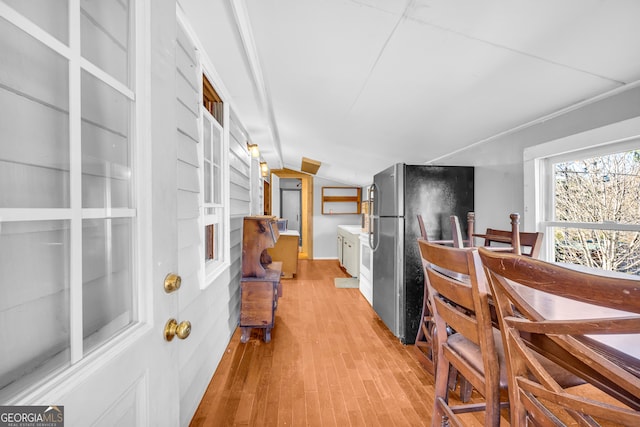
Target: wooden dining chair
[
  {"x": 423, "y": 345},
  {"x": 536, "y": 397},
  {"x": 514, "y": 240},
  {"x": 459, "y": 299}
]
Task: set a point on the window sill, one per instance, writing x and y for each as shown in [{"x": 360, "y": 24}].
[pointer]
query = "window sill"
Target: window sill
[{"x": 213, "y": 271}]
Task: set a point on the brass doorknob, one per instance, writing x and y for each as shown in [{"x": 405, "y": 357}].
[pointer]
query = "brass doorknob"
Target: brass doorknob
[
  {"x": 172, "y": 282},
  {"x": 173, "y": 328}
]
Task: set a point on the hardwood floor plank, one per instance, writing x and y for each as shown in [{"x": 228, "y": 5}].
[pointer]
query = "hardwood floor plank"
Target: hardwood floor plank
[
  {"x": 263, "y": 382},
  {"x": 272, "y": 396},
  {"x": 327, "y": 411},
  {"x": 312, "y": 409},
  {"x": 324, "y": 393},
  {"x": 338, "y": 403}
]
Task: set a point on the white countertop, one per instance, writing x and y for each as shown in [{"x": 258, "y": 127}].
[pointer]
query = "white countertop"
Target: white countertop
[
  {"x": 353, "y": 229},
  {"x": 289, "y": 233}
]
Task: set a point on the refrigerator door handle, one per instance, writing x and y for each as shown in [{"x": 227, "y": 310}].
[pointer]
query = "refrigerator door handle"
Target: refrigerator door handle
[
  {"x": 372, "y": 194},
  {"x": 372, "y": 224}
]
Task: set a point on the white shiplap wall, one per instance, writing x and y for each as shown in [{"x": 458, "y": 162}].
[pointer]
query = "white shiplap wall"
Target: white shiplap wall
[
  {"x": 240, "y": 198},
  {"x": 213, "y": 309}
]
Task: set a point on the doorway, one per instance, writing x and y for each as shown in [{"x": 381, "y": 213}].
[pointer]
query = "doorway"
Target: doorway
[
  {"x": 306, "y": 211},
  {"x": 291, "y": 204}
]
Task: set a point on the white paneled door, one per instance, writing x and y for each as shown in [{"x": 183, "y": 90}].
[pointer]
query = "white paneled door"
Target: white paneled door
[{"x": 86, "y": 240}]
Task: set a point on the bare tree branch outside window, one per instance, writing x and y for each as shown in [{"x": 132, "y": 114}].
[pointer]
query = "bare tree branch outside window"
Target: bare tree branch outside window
[{"x": 602, "y": 190}]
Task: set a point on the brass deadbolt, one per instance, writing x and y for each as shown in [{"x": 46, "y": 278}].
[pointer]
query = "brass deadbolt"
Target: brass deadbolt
[
  {"x": 173, "y": 328},
  {"x": 172, "y": 283}
]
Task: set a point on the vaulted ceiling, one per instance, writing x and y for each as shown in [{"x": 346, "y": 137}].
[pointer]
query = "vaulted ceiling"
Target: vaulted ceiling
[{"x": 361, "y": 84}]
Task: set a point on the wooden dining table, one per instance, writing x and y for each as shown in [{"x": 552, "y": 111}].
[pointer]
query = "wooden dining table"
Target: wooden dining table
[{"x": 622, "y": 349}]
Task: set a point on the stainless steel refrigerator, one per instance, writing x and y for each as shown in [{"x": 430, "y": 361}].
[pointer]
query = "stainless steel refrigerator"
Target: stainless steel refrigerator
[{"x": 398, "y": 194}]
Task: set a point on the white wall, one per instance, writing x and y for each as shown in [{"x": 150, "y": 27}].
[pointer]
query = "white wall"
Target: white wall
[
  {"x": 325, "y": 227},
  {"x": 499, "y": 179}
]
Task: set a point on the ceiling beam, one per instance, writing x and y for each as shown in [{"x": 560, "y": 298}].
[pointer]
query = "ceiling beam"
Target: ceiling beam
[{"x": 243, "y": 23}]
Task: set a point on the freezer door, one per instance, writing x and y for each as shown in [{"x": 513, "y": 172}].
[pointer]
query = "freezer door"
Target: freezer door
[
  {"x": 389, "y": 186},
  {"x": 437, "y": 192},
  {"x": 387, "y": 272}
]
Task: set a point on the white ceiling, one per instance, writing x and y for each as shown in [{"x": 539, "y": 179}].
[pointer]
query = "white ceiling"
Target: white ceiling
[{"x": 362, "y": 84}]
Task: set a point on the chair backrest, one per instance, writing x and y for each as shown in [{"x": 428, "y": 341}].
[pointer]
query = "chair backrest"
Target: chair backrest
[
  {"x": 524, "y": 289},
  {"x": 456, "y": 240},
  {"x": 456, "y": 231},
  {"x": 423, "y": 229},
  {"x": 459, "y": 297},
  {"x": 519, "y": 240}
]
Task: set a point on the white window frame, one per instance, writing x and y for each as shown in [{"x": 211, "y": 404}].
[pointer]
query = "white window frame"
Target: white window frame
[
  {"x": 211, "y": 270},
  {"x": 539, "y": 176},
  {"x": 220, "y": 216}
]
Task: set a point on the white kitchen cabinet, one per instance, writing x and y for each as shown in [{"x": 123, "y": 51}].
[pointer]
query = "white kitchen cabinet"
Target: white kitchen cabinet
[
  {"x": 349, "y": 248},
  {"x": 349, "y": 257}
]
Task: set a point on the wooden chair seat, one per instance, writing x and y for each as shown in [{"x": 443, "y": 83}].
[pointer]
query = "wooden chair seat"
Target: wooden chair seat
[{"x": 473, "y": 355}]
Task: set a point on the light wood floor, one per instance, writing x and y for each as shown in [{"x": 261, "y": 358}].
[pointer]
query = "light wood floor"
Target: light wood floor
[{"x": 331, "y": 362}]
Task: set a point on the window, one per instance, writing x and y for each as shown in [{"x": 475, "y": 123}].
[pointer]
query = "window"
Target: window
[
  {"x": 212, "y": 167},
  {"x": 587, "y": 200},
  {"x": 67, "y": 196},
  {"x": 593, "y": 197}
]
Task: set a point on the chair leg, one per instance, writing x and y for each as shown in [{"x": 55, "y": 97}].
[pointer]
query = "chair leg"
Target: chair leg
[
  {"x": 441, "y": 390},
  {"x": 465, "y": 390},
  {"x": 439, "y": 419},
  {"x": 453, "y": 378},
  {"x": 465, "y": 386}
]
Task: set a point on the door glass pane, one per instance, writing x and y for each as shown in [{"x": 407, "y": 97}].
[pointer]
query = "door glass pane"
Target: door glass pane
[
  {"x": 106, "y": 162},
  {"x": 105, "y": 36},
  {"x": 34, "y": 100},
  {"x": 107, "y": 289},
  {"x": 51, "y": 15},
  {"x": 34, "y": 302}
]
